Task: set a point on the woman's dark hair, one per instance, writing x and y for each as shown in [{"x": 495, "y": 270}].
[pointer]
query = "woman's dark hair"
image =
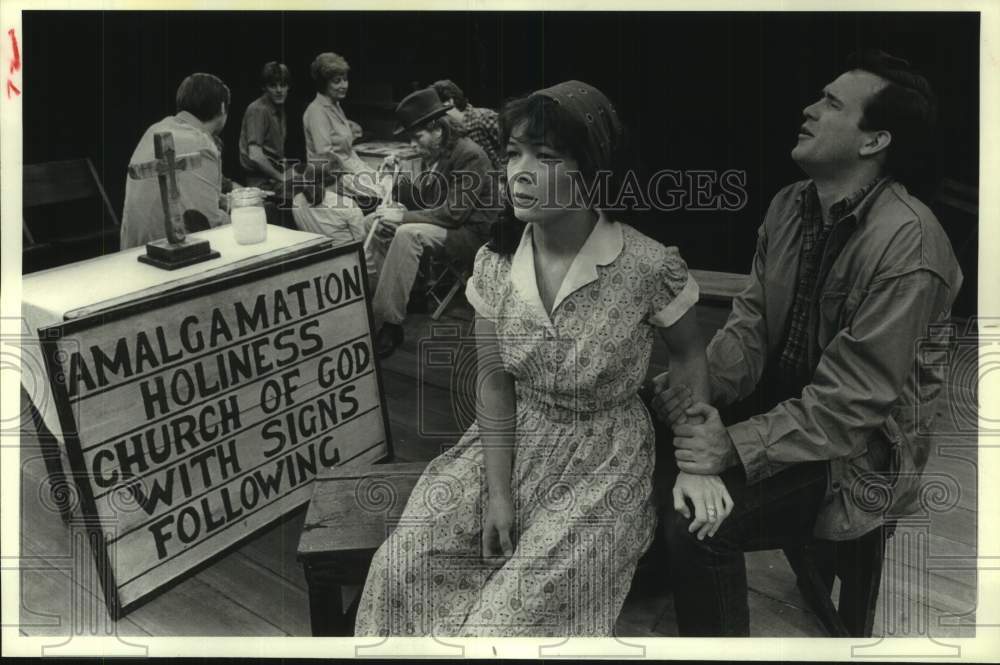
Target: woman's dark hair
[
  {"x": 906, "y": 107},
  {"x": 202, "y": 95},
  {"x": 448, "y": 90},
  {"x": 539, "y": 119},
  {"x": 274, "y": 73}
]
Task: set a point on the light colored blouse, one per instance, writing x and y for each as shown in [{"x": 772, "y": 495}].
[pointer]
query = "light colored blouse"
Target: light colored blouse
[{"x": 328, "y": 131}]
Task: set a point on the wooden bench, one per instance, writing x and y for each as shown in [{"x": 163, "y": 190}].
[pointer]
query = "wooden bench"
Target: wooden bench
[
  {"x": 353, "y": 510},
  {"x": 719, "y": 287}
]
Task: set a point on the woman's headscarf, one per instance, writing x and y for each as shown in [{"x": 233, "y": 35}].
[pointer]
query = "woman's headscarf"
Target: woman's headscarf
[{"x": 591, "y": 107}]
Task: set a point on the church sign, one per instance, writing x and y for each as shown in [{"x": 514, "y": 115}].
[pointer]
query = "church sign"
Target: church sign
[{"x": 195, "y": 418}]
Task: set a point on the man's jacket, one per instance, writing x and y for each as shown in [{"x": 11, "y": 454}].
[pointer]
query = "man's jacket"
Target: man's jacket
[
  {"x": 459, "y": 194},
  {"x": 886, "y": 298}
]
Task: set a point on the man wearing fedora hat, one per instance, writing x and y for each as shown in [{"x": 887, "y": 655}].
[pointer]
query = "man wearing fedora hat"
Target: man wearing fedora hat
[{"x": 449, "y": 208}]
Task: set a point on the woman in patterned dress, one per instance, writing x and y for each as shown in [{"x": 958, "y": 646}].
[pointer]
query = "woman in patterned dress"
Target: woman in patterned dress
[{"x": 533, "y": 523}]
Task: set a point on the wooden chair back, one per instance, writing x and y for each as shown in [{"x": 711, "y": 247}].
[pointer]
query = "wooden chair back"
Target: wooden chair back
[
  {"x": 66, "y": 180},
  {"x": 52, "y": 236}
]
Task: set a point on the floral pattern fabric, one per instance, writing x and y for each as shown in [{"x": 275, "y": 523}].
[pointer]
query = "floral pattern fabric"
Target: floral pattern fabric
[{"x": 582, "y": 462}]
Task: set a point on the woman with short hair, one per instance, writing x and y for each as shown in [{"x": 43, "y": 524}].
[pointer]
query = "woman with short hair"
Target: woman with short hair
[{"x": 329, "y": 135}]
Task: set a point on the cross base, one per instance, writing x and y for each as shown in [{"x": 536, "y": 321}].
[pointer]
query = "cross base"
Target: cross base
[{"x": 169, "y": 256}]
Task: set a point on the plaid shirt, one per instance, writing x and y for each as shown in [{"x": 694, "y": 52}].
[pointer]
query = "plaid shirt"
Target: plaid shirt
[
  {"x": 794, "y": 359},
  {"x": 482, "y": 127}
]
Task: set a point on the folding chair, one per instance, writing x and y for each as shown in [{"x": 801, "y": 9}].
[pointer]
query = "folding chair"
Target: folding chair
[
  {"x": 443, "y": 272},
  {"x": 60, "y": 182}
]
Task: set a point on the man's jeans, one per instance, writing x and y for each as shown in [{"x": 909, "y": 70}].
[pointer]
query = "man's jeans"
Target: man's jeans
[
  {"x": 396, "y": 264},
  {"x": 709, "y": 576}
]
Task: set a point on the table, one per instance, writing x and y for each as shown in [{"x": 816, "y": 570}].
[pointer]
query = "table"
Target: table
[
  {"x": 77, "y": 289},
  {"x": 352, "y": 511}
]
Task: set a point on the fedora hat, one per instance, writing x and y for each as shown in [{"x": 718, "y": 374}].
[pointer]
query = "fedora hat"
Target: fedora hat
[{"x": 419, "y": 107}]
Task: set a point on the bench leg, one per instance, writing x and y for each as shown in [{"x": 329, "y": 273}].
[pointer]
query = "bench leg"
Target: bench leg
[
  {"x": 860, "y": 579},
  {"x": 815, "y": 580},
  {"x": 326, "y": 609}
]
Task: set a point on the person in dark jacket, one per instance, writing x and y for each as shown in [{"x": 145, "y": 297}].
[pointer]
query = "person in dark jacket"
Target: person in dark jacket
[
  {"x": 851, "y": 272},
  {"x": 448, "y": 208},
  {"x": 480, "y": 124}
]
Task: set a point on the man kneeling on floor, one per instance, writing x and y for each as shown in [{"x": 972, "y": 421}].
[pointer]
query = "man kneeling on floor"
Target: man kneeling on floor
[{"x": 447, "y": 209}]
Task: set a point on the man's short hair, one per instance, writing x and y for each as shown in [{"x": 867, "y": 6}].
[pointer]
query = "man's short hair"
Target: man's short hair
[
  {"x": 202, "y": 95},
  {"x": 274, "y": 73},
  {"x": 906, "y": 107},
  {"x": 448, "y": 90},
  {"x": 327, "y": 66}
]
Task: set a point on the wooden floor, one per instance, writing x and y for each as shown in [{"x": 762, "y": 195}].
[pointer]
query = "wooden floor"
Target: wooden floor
[{"x": 259, "y": 588}]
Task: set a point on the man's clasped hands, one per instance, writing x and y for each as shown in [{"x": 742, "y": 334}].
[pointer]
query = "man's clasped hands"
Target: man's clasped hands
[{"x": 703, "y": 449}]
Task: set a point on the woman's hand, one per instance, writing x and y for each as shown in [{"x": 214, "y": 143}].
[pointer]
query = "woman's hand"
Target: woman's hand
[
  {"x": 356, "y": 131},
  {"x": 498, "y": 543},
  {"x": 710, "y": 498}
]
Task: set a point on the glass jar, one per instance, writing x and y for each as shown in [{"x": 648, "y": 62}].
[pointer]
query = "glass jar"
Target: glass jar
[{"x": 246, "y": 212}]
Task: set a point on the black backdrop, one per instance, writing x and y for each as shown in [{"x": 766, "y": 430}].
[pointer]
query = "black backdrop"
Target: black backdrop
[{"x": 711, "y": 91}]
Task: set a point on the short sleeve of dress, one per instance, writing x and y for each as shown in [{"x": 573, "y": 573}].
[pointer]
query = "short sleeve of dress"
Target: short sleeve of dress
[
  {"x": 481, "y": 289},
  {"x": 674, "y": 292}
]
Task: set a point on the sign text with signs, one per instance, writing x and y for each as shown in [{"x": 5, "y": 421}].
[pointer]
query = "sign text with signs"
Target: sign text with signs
[{"x": 203, "y": 415}]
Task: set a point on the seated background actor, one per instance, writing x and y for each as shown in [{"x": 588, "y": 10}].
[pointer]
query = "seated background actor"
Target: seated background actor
[
  {"x": 262, "y": 143},
  {"x": 263, "y": 132},
  {"x": 330, "y": 136},
  {"x": 202, "y": 108},
  {"x": 450, "y": 208},
  {"x": 318, "y": 208},
  {"x": 480, "y": 124}
]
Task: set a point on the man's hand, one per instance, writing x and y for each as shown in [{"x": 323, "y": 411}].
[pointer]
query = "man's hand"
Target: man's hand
[
  {"x": 385, "y": 228},
  {"x": 670, "y": 403},
  {"x": 706, "y": 448},
  {"x": 390, "y": 162}
]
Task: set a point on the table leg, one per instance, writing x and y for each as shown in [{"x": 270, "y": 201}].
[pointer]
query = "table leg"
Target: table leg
[{"x": 61, "y": 492}]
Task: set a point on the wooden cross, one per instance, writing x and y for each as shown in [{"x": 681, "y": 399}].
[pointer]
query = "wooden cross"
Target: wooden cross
[
  {"x": 165, "y": 167},
  {"x": 175, "y": 251}
]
